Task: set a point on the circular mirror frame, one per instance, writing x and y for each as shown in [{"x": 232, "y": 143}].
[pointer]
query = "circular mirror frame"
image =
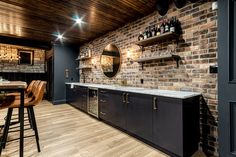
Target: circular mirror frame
[{"x": 120, "y": 61}]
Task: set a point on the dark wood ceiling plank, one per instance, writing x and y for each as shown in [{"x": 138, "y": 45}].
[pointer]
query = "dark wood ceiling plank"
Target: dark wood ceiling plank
[{"x": 39, "y": 19}]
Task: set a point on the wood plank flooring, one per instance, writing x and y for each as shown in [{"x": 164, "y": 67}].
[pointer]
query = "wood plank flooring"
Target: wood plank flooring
[{"x": 66, "y": 132}]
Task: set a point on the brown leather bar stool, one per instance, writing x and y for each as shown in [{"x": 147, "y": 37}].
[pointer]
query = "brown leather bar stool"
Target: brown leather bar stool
[
  {"x": 28, "y": 95},
  {"x": 36, "y": 98},
  {"x": 28, "y": 90}
]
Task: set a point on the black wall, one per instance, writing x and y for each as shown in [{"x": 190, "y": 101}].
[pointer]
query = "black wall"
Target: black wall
[{"x": 64, "y": 58}]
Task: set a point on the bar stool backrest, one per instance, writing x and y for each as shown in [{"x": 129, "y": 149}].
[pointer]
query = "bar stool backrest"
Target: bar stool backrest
[
  {"x": 35, "y": 86},
  {"x": 39, "y": 93},
  {"x": 30, "y": 86}
]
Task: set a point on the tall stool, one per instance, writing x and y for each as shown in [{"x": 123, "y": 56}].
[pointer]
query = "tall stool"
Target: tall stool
[{"x": 36, "y": 98}]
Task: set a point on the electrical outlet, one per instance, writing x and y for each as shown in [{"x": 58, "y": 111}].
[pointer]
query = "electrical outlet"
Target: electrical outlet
[
  {"x": 141, "y": 81},
  {"x": 213, "y": 69}
]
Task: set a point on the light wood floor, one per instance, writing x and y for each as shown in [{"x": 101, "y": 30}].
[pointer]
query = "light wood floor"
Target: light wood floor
[{"x": 67, "y": 132}]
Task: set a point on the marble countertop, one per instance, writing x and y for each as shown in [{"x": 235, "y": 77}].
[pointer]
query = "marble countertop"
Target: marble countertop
[{"x": 157, "y": 92}]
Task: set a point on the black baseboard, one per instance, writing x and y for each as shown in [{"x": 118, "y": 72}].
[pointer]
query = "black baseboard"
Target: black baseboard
[{"x": 58, "y": 102}]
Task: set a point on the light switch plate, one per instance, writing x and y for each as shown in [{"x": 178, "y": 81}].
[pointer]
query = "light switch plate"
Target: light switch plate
[{"x": 214, "y": 5}]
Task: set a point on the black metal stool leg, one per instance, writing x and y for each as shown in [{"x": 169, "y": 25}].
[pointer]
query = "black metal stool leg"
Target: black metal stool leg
[
  {"x": 34, "y": 126},
  {"x": 29, "y": 117},
  {"x": 6, "y": 128}
]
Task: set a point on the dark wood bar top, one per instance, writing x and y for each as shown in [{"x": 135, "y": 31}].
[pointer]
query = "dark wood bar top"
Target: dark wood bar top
[{"x": 12, "y": 84}]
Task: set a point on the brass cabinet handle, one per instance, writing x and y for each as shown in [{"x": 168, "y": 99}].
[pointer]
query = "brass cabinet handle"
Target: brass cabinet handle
[
  {"x": 155, "y": 103},
  {"x": 124, "y": 97},
  {"x": 101, "y": 100},
  {"x": 127, "y": 98},
  {"x": 102, "y": 91},
  {"x": 102, "y": 113}
]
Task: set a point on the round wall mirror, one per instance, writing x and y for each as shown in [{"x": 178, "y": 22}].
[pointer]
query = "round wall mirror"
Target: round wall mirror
[{"x": 110, "y": 60}]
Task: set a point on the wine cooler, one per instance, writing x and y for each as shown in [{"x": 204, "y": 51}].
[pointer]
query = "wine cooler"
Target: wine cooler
[{"x": 93, "y": 102}]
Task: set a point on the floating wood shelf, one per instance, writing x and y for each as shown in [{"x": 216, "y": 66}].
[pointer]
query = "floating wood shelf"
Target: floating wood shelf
[
  {"x": 165, "y": 36},
  {"x": 175, "y": 57},
  {"x": 158, "y": 58},
  {"x": 81, "y": 68},
  {"x": 83, "y": 58}
]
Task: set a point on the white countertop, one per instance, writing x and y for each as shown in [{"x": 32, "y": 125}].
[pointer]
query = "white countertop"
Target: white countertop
[{"x": 157, "y": 92}]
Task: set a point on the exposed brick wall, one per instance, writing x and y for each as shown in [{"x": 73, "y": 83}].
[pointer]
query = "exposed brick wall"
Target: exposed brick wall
[
  {"x": 13, "y": 66},
  {"x": 197, "y": 48}
]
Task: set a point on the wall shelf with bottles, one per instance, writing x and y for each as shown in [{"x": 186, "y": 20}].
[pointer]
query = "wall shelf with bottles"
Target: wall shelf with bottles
[
  {"x": 167, "y": 29},
  {"x": 162, "y": 37}
]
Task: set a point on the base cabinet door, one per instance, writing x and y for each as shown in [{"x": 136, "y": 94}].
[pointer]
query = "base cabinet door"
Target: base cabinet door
[
  {"x": 176, "y": 125},
  {"x": 139, "y": 115},
  {"x": 103, "y": 103},
  {"x": 68, "y": 94},
  {"x": 82, "y": 97},
  {"x": 77, "y": 96},
  {"x": 71, "y": 95},
  {"x": 167, "y": 125},
  {"x": 112, "y": 107},
  {"x": 117, "y": 108}
]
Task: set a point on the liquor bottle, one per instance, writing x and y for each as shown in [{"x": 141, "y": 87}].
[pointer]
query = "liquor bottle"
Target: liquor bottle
[
  {"x": 149, "y": 33},
  {"x": 177, "y": 25},
  {"x": 140, "y": 37},
  {"x": 145, "y": 34},
  {"x": 162, "y": 28},
  {"x": 158, "y": 31},
  {"x": 172, "y": 25},
  {"x": 154, "y": 31},
  {"x": 167, "y": 26}
]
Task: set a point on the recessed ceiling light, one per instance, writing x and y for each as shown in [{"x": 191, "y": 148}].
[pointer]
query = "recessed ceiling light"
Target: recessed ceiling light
[
  {"x": 59, "y": 36},
  {"x": 78, "y": 20}
]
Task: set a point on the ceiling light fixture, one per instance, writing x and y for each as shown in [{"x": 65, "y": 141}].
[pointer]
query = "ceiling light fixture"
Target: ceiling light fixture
[
  {"x": 59, "y": 36},
  {"x": 78, "y": 21}
]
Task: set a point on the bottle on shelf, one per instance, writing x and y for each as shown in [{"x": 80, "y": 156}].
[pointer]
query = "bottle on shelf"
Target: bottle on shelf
[
  {"x": 89, "y": 52},
  {"x": 162, "y": 27},
  {"x": 177, "y": 25},
  {"x": 149, "y": 34},
  {"x": 154, "y": 31},
  {"x": 172, "y": 25},
  {"x": 140, "y": 37},
  {"x": 158, "y": 31},
  {"x": 167, "y": 26},
  {"x": 145, "y": 34}
]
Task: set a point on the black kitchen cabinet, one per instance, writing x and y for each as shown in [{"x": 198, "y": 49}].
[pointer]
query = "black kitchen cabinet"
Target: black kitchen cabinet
[
  {"x": 77, "y": 96},
  {"x": 176, "y": 125},
  {"x": 129, "y": 111},
  {"x": 70, "y": 94},
  {"x": 112, "y": 107},
  {"x": 139, "y": 115},
  {"x": 171, "y": 124},
  {"x": 81, "y": 97}
]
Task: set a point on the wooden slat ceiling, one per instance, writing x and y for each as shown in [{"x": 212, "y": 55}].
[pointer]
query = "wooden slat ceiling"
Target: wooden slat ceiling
[{"x": 42, "y": 19}]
